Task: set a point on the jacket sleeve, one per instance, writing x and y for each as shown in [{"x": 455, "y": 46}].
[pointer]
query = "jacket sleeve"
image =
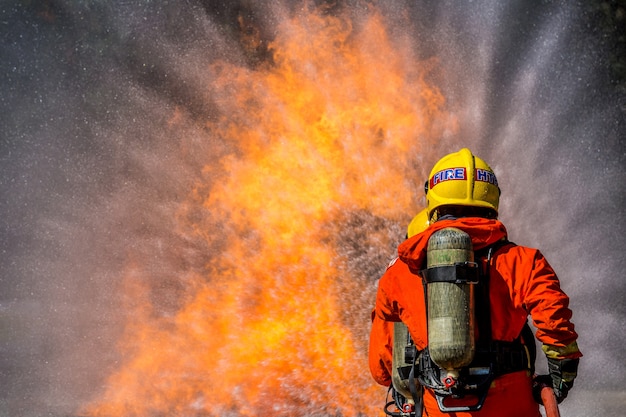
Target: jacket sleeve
[
  {"x": 381, "y": 334},
  {"x": 397, "y": 287},
  {"x": 380, "y": 350},
  {"x": 548, "y": 306}
]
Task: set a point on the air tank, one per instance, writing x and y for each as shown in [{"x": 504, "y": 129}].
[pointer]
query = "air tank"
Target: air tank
[
  {"x": 401, "y": 346},
  {"x": 450, "y": 256}
]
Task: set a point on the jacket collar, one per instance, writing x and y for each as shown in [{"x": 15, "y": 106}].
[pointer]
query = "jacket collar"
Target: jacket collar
[{"x": 483, "y": 233}]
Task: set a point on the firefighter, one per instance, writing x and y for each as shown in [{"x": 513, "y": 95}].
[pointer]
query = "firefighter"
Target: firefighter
[
  {"x": 381, "y": 342},
  {"x": 462, "y": 192}
]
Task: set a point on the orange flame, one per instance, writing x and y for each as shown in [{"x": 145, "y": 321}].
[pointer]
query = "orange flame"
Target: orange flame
[{"x": 276, "y": 324}]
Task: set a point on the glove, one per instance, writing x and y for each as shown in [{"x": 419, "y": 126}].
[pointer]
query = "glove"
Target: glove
[
  {"x": 563, "y": 372},
  {"x": 561, "y": 378}
]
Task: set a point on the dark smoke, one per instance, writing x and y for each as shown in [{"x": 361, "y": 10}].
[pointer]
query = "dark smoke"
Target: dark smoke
[{"x": 91, "y": 166}]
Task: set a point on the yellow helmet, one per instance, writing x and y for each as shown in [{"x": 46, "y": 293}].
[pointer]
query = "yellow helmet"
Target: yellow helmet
[
  {"x": 418, "y": 224},
  {"x": 462, "y": 179}
]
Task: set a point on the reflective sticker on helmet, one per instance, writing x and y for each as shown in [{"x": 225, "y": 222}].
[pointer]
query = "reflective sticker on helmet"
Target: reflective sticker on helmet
[
  {"x": 447, "y": 175},
  {"x": 485, "y": 175}
]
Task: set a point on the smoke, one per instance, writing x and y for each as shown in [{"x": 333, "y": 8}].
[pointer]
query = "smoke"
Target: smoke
[{"x": 113, "y": 143}]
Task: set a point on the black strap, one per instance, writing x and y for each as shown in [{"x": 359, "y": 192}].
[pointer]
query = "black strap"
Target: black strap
[
  {"x": 459, "y": 273},
  {"x": 417, "y": 391},
  {"x": 510, "y": 356},
  {"x": 528, "y": 339},
  {"x": 503, "y": 357},
  {"x": 483, "y": 304}
]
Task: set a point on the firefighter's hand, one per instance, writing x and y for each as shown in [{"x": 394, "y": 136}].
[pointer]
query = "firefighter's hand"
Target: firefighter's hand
[
  {"x": 561, "y": 379},
  {"x": 562, "y": 372},
  {"x": 539, "y": 383}
]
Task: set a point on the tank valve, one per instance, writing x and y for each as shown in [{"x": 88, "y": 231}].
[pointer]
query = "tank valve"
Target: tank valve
[
  {"x": 408, "y": 408},
  {"x": 449, "y": 382}
]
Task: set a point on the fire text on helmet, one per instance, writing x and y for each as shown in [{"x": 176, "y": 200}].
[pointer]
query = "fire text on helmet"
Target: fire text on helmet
[
  {"x": 447, "y": 175},
  {"x": 482, "y": 175}
]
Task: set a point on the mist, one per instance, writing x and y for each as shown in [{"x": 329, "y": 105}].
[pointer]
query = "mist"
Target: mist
[{"x": 109, "y": 149}]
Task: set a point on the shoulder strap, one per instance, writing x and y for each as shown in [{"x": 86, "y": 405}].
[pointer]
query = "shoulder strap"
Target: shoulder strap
[
  {"x": 528, "y": 339},
  {"x": 483, "y": 309},
  {"x": 483, "y": 305}
]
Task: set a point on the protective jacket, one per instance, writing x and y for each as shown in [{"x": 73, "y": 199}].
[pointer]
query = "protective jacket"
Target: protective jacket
[{"x": 521, "y": 283}]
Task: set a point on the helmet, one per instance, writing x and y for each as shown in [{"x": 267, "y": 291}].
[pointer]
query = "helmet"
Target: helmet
[
  {"x": 418, "y": 224},
  {"x": 462, "y": 179}
]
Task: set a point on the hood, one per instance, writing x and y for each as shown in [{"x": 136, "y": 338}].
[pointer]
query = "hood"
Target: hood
[{"x": 483, "y": 233}]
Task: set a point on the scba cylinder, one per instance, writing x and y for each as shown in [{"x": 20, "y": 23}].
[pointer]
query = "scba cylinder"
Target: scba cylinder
[
  {"x": 450, "y": 275},
  {"x": 403, "y": 357}
]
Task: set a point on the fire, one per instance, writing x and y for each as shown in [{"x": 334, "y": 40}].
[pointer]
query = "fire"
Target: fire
[{"x": 333, "y": 125}]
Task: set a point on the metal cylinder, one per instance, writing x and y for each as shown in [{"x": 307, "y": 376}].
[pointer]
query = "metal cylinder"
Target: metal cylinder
[
  {"x": 450, "y": 304},
  {"x": 401, "y": 341}
]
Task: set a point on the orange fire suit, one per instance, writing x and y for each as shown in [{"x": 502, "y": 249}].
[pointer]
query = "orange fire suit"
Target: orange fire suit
[{"x": 521, "y": 283}]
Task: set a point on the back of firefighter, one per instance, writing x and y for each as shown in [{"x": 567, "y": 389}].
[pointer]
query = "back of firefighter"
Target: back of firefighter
[{"x": 462, "y": 192}]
